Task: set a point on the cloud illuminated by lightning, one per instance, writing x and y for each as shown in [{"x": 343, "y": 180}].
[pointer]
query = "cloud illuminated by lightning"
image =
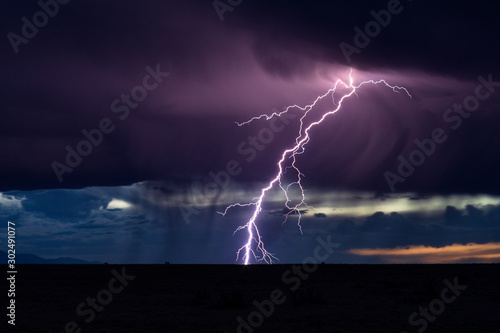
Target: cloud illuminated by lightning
[{"x": 259, "y": 252}]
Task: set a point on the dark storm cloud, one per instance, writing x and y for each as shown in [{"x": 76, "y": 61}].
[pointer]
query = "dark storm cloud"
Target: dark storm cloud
[
  {"x": 472, "y": 217},
  {"x": 77, "y": 204},
  {"x": 441, "y": 37},
  {"x": 263, "y": 56},
  {"x": 441, "y": 229}
]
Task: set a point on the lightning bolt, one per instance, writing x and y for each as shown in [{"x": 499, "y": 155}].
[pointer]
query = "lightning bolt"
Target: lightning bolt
[{"x": 259, "y": 252}]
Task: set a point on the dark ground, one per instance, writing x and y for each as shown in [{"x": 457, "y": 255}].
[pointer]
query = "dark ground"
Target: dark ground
[{"x": 209, "y": 298}]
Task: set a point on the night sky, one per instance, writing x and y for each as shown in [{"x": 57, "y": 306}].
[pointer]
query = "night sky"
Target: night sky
[{"x": 119, "y": 142}]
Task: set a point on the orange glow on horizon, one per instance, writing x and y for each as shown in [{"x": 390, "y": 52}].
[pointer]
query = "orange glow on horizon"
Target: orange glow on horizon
[{"x": 471, "y": 252}]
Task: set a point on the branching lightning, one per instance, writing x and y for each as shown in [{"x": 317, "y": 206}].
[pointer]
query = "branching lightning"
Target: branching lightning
[{"x": 259, "y": 252}]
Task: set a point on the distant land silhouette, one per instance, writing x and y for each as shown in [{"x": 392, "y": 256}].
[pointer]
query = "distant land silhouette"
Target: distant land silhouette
[{"x": 26, "y": 258}]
